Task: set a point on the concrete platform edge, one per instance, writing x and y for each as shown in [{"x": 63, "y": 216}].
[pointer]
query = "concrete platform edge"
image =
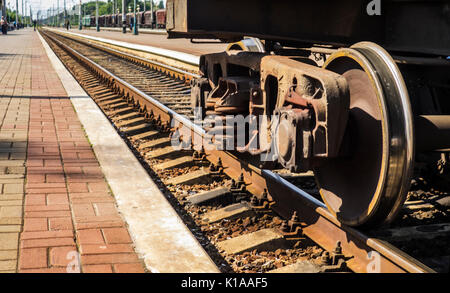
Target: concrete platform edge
[{"x": 159, "y": 234}]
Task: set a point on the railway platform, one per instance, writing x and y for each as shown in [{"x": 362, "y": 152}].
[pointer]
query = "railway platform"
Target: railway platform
[
  {"x": 157, "y": 40},
  {"x": 64, "y": 206}
]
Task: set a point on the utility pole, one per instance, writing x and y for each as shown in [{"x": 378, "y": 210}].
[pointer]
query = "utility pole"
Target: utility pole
[
  {"x": 124, "y": 18},
  {"x": 151, "y": 13},
  {"x": 96, "y": 15},
  {"x": 17, "y": 14},
  {"x": 80, "y": 25},
  {"x": 135, "y": 28},
  {"x": 57, "y": 14},
  {"x": 65, "y": 17}
]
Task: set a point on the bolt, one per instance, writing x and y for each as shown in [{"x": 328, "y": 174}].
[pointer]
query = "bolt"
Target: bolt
[
  {"x": 264, "y": 194},
  {"x": 202, "y": 154},
  {"x": 337, "y": 253},
  {"x": 195, "y": 155},
  {"x": 293, "y": 222},
  {"x": 325, "y": 258},
  {"x": 241, "y": 180},
  {"x": 219, "y": 163},
  {"x": 284, "y": 227},
  {"x": 294, "y": 217},
  {"x": 338, "y": 248},
  {"x": 233, "y": 184},
  {"x": 254, "y": 200}
]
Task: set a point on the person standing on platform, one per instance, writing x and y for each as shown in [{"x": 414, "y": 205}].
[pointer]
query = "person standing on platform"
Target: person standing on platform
[
  {"x": 34, "y": 24},
  {"x": 4, "y": 25}
]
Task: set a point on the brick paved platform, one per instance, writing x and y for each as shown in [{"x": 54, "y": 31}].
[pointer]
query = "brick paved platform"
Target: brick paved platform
[{"x": 55, "y": 204}]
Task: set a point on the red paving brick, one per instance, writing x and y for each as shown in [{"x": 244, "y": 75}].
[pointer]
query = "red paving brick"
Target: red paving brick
[{"x": 68, "y": 209}]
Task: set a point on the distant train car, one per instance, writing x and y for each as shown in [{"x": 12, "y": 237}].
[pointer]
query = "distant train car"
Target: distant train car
[
  {"x": 101, "y": 20},
  {"x": 146, "y": 19},
  {"x": 161, "y": 18},
  {"x": 149, "y": 19},
  {"x": 108, "y": 20}
]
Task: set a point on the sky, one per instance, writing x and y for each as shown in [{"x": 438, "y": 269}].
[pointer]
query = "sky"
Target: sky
[{"x": 45, "y": 4}]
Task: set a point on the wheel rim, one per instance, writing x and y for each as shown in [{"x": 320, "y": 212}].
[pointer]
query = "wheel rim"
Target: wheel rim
[{"x": 369, "y": 186}]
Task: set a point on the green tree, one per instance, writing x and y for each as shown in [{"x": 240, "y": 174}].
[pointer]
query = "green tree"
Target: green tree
[{"x": 11, "y": 15}]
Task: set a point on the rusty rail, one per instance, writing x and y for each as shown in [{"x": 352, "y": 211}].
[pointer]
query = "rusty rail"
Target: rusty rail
[{"x": 362, "y": 254}]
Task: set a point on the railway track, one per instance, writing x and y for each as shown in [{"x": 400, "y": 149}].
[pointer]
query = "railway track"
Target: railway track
[{"x": 250, "y": 220}]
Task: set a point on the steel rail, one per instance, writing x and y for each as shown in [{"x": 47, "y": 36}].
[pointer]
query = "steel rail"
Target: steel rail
[
  {"x": 362, "y": 253},
  {"x": 179, "y": 56},
  {"x": 152, "y": 64}
]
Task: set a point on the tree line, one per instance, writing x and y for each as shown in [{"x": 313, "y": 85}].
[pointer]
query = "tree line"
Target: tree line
[
  {"x": 103, "y": 9},
  {"x": 106, "y": 7}
]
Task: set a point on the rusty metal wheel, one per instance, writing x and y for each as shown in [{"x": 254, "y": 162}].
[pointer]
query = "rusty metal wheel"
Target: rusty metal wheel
[{"x": 368, "y": 185}]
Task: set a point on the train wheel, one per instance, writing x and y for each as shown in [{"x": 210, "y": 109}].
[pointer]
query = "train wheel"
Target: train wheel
[{"x": 368, "y": 185}]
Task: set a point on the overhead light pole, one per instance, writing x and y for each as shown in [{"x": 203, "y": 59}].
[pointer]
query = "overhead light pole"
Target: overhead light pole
[
  {"x": 57, "y": 14},
  {"x": 17, "y": 14},
  {"x": 124, "y": 18},
  {"x": 65, "y": 16},
  {"x": 80, "y": 25},
  {"x": 151, "y": 13},
  {"x": 116, "y": 17},
  {"x": 135, "y": 28},
  {"x": 96, "y": 16}
]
